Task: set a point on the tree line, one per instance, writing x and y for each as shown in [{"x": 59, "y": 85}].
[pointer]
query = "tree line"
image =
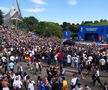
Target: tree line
[
  {"x": 1, "y": 17},
  {"x": 48, "y": 29}
]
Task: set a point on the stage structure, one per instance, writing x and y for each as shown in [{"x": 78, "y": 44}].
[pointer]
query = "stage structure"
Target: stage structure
[
  {"x": 93, "y": 33},
  {"x": 14, "y": 17}
]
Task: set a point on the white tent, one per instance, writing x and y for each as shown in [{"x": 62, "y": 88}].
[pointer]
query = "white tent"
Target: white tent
[{"x": 13, "y": 15}]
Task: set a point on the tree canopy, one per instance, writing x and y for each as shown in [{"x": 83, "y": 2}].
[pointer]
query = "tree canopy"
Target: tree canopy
[
  {"x": 1, "y": 17},
  {"x": 54, "y": 29},
  {"x": 31, "y": 22},
  {"x": 43, "y": 28}
]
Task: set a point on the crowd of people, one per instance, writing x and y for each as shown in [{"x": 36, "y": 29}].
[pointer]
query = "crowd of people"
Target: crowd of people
[{"x": 18, "y": 47}]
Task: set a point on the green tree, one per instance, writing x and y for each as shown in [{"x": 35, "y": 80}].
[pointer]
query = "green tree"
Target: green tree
[
  {"x": 1, "y": 17},
  {"x": 77, "y": 24},
  {"x": 101, "y": 20},
  {"x": 96, "y": 21},
  {"x": 105, "y": 20},
  {"x": 82, "y": 23},
  {"x": 31, "y": 22},
  {"x": 72, "y": 27},
  {"x": 50, "y": 29},
  {"x": 65, "y": 26}
]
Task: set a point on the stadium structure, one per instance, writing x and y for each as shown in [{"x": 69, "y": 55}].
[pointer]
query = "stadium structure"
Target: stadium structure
[{"x": 13, "y": 17}]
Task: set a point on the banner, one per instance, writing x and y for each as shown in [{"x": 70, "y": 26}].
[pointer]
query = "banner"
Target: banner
[{"x": 67, "y": 34}]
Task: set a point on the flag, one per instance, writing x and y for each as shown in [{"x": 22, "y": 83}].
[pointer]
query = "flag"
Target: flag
[{"x": 67, "y": 34}]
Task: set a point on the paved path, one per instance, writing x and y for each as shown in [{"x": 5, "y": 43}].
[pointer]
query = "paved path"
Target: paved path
[
  {"x": 103, "y": 74},
  {"x": 69, "y": 73}
]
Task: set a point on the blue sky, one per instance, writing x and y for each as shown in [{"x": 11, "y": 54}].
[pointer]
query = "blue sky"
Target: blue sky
[{"x": 73, "y": 11}]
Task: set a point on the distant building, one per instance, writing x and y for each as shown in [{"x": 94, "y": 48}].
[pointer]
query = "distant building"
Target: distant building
[
  {"x": 93, "y": 33},
  {"x": 14, "y": 16}
]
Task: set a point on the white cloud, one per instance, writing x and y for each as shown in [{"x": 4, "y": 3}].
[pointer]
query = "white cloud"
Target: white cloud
[
  {"x": 4, "y": 9},
  {"x": 72, "y": 2},
  {"x": 34, "y": 10},
  {"x": 40, "y": 2}
]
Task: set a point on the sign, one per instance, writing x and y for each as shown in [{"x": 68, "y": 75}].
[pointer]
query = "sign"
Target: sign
[
  {"x": 67, "y": 34},
  {"x": 91, "y": 29},
  {"x": 81, "y": 29}
]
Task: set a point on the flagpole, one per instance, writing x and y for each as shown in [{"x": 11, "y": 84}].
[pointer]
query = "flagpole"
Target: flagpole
[
  {"x": 19, "y": 12},
  {"x": 16, "y": 24}
]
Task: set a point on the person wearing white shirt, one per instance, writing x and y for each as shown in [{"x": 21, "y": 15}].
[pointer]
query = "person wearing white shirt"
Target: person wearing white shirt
[
  {"x": 79, "y": 87},
  {"x": 12, "y": 58},
  {"x": 3, "y": 59},
  {"x": 97, "y": 77},
  {"x": 102, "y": 63},
  {"x": 86, "y": 87},
  {"x": 31, "y": 86},
  {"x": 74, "y": 82},
  {"x": 90, "y": 58},
  {"x": 69, "y": 59},
  {"x": 11, "y": 49},
  {"x": 75, "y": 61},
  {"x": 17, "y": 84},
  {"x": 17, "y": 76}
]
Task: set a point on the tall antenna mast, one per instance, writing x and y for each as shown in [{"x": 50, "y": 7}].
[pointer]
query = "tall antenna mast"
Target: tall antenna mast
[{"x": 19, "y": 11}]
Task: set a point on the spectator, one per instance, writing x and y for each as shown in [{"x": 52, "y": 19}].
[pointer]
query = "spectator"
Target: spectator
[
  {"x": 102, "y": 64},
  {"x": 65, "y": 84},
  {"x": 86, "y": 87},
  {"x": 17, "y": 84},
  {"x": 5, "y": 84},
  {"x": 74, "y": 82},
  {"x": 11, "y": 66},
  {"x": 97, "y": 77},
  {"x": 31, "y": 85}
]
